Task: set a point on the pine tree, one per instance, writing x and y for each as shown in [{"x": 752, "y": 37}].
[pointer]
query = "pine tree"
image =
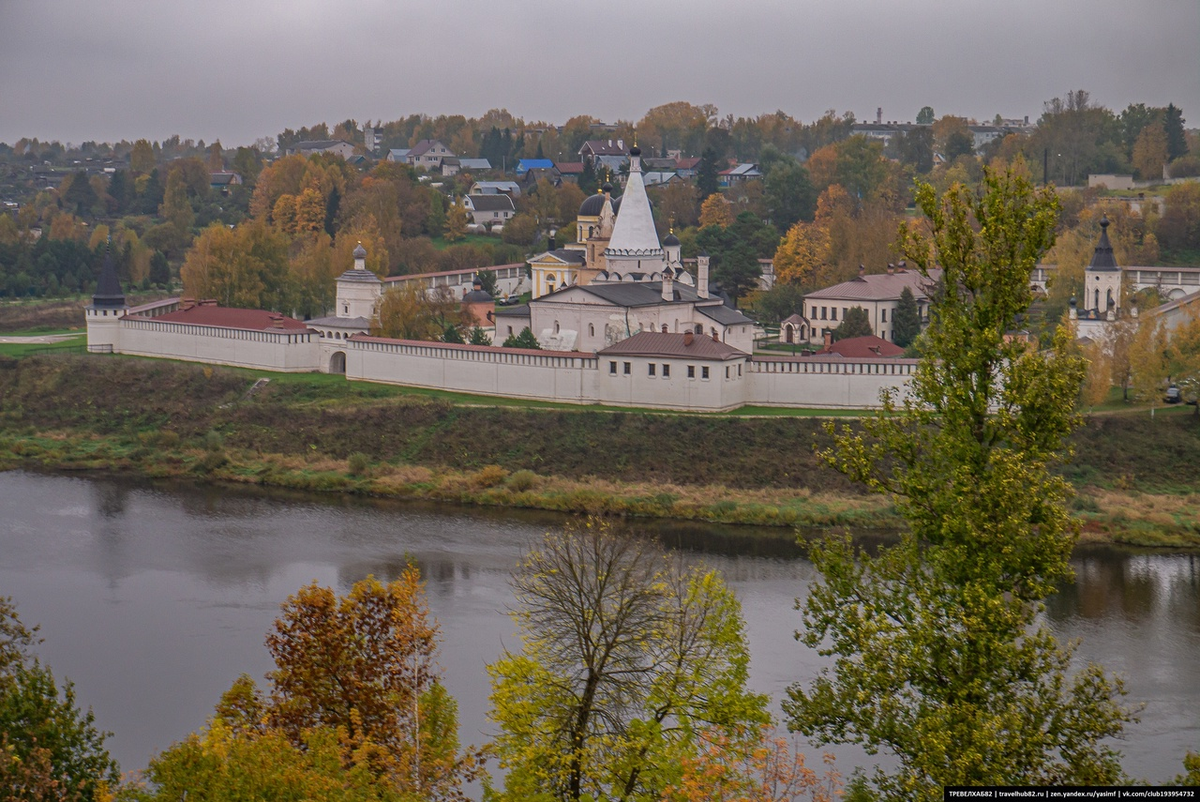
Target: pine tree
[
  {"x": 855, "y": 323},
  {"x": 906, "y": 324}
]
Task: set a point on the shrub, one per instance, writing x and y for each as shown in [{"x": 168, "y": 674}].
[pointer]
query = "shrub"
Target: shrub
[
  {"x": 359, "y": 464},
  {"x": 523, "y": 480},
  {"x": 489, "y": 476}
]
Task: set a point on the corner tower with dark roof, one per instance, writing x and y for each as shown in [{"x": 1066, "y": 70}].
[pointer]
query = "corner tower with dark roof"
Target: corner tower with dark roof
[
  {"x": 104, "y": 313},
  {"x": 1102, "y": 281}
]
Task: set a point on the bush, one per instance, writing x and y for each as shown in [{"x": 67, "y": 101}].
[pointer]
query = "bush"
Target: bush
[
  {"x": 359, "y": 464},
  {"x": 489, "y": 476},
  {"x": 523, "y": 480}
]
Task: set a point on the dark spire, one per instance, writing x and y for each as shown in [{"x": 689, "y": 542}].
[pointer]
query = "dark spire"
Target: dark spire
[
  {"x": 108, "y": 288},
  {"x": 1103, "y": 259}
]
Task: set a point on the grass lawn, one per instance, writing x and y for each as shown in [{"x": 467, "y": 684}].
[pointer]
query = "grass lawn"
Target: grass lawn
[
  {"x": 469, "y": 239},
  {"x": 76, "y": 342}
]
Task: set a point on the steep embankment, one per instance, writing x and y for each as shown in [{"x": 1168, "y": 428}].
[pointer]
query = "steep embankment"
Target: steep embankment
[{"x": 322, "y": 433}]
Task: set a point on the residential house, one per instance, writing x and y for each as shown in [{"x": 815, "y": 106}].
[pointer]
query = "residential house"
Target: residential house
[
  {"x": 570, "y": 171},
  {"x": 474, "y": 165},
  {"x": 335, "y": 146},
  {"x": 878, "y": 294},
  {"x": 489, "y": 209},
  {"x": 525, "y": 165},
  {"x": 428, "y": 154},
  {"x": 222, "y": 180},
  {"x": 739, "y": 174},
  {"x": 686, "y": 168},
  {"x": 398, "y": 155},
  {"x": 595, "y": 148},
  {"x": 496, "y": 187}
]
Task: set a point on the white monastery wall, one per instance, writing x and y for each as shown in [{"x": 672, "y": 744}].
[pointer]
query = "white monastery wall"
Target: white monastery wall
[
  {"x": 550, "y": 376},
  {"x": 826, "y": 383},
  {"x": 284, "y": 351},
  {"x": 709, "y": 386}
]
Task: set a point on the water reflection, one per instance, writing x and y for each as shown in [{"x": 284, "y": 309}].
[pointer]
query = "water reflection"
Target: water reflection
[{"x": 153, "y": 598}]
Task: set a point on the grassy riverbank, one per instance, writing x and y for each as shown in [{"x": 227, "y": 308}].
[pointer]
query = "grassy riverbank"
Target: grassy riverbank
[{"x": 1137, "y": 478}]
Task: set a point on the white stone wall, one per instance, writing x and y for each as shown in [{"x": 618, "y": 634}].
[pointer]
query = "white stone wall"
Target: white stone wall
[
  {"x": 284, "y": 351},
  {"x": 672, "y": 385},
  {"x": 474, "y": 369},
  {"x": 826, "y": 383}
]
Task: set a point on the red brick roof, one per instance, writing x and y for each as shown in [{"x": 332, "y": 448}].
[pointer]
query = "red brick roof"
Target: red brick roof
[
  {"x": 863, "y": 348},
  {"x": 228, "y": 318}
]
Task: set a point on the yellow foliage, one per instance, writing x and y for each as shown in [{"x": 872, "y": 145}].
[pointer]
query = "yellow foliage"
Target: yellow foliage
[{"x": 716, "y": 211}]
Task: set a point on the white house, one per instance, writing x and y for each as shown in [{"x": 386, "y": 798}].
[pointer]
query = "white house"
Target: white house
[
  {"x": 489, "y": 209},
  {"x": 878, "y": 294}
]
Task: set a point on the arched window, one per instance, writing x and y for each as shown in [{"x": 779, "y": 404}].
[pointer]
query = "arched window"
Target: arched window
[
  {"x": 556, "y": 327},
  {"x": 790, "y": 333},
  {"x": 1097, "y": 300},
  {"x": 1111, "y": 302},
  {"x": 591, "y": 330}
]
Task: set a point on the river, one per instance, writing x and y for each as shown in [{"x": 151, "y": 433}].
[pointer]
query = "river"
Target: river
[{"x": 152, "y": 599}]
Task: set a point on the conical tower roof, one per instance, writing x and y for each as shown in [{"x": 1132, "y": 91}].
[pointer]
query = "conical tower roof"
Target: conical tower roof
[
  {"x": 108, "y": 288},
  {"x": 634, "y": 235},
  {"x": 1103, "y": 259}
]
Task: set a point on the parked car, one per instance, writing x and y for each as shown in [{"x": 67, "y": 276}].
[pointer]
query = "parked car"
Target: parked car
[{"x": 1173, "y": 395}]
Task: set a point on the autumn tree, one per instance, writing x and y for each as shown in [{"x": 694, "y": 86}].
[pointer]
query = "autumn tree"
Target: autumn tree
[
  {"x": 939, "y": 658},
  {"x": 716, "y": 211},
  {"x": 176, "y": 207},
  {"x": 457, "y": 220},
  {"x": 855, "y": 323},
  {"x": 769, "y": 770},
  {"x": 1150, "y": 152},
  {"x": 49, "y": 749},
  {"x": 354, "y": 706},
  {"x": 141, "y": 158},
  {"x": 626, "y": 655},
  {"x": 925, "y": 116},
  {"x": 412, "y": 313},
  {"x": 243, "y": 267},
  {"x": 802, "y": 254}
]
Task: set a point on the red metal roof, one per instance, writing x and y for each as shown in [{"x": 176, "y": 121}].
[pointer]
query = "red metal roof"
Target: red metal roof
[
  {"x": 228, "y": 318},
  {"x": 651, "y": 343},
  {"x": 863, "y": 348},
  {"x": 491, "y": 349}
]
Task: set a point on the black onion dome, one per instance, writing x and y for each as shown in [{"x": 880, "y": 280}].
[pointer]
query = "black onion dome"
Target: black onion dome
[
  {"x": 670, "y": 239},
  {"x": 635, "y": 151},
  {"x": 592, "y": 205}
]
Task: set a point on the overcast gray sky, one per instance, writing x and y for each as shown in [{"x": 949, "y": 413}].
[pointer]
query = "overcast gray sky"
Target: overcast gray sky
[{"x": 236, "y": 70}]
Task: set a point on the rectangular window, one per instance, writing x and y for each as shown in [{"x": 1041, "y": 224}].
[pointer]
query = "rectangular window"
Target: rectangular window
[
  {"x": 739, "y": 370},
  {"x": 833, "y": 313},
  {"x": 628, "y": 368},
  {"x": 814, "y": 313},
  {"x": 651, "y": 368},
  {"x": 666, "y": 371},
  {"x": 824, "y": 310},
  {"x": 612, "y": 368},
  {"x": 691, "y": 371},
  {"x": 727, "y": 371},
  {"x": 883, "y": 316},
  {"x": 704, "y": 372}
]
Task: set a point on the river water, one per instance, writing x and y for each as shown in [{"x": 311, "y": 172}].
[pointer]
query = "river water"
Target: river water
[{"x": 152, "y": 599}]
